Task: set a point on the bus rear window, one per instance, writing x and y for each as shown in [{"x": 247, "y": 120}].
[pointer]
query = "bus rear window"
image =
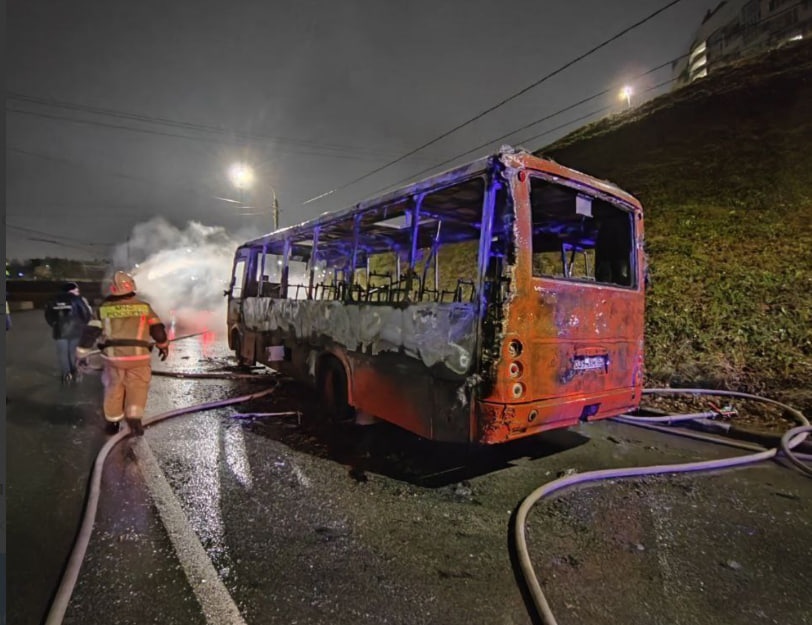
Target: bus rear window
[{"x": 579, "y": 237}]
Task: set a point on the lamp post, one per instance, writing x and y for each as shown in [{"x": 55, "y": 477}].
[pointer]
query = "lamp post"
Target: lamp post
[
  {"x": 242, "y": 177},
  {"x": 626, "y": 94}
]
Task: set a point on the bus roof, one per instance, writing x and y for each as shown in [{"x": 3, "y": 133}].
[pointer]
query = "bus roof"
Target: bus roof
[
  {"x": 524, "y": 160},
  {"x": 508, "y": 156}
]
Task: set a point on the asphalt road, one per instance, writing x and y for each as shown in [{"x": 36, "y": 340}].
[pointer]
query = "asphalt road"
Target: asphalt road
[{"x": 216, "y": 517}]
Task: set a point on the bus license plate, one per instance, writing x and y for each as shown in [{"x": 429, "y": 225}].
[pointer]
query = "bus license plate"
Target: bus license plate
[{"x": 588, "y": 363}]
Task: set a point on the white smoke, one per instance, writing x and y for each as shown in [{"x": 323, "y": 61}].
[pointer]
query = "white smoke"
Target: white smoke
[{"x": 181, "y": 273}]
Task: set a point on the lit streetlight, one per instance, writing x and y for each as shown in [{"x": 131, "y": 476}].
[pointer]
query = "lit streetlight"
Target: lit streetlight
[
  {"x": 242, "y": 177},
  {"x": 626, "y": 94}
]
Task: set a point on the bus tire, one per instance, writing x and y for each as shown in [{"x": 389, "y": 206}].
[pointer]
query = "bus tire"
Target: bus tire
[{"x": 334, "y": 392}]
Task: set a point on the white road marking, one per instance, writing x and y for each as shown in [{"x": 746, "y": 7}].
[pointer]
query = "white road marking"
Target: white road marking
[
  {"x": 236, "y": 456},
  {"x": 303, "y": 479},
  {"x": 218, "y": 606}
]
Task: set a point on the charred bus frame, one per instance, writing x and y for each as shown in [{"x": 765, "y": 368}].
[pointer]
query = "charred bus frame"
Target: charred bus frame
[{"x": 487, "y": 303}]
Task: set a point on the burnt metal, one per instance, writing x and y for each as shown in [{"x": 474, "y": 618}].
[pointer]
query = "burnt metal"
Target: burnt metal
[{"x": 441, "y": 368}]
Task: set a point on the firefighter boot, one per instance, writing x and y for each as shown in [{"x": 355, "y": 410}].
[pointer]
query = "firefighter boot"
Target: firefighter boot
[{"x": 135, "y": 426}]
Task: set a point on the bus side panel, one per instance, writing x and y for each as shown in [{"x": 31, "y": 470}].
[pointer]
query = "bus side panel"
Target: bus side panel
[
  {"x": 406, "y": 365},
  {"x": 392, "y": 387},
  {"x": 451, "y": 418},
  {"x": 400, "y": 390}
]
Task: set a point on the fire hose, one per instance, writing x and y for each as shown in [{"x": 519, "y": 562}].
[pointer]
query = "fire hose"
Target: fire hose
[
  {"x": 790, "y": 440},
  {"x": 90, "y": 360},
  {"x": 63, "y": 594}
]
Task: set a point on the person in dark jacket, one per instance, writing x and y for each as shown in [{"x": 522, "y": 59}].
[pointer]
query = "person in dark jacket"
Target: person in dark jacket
[
  {"x": 68, "y": 314},
  {"x": 125, "y": 333}
]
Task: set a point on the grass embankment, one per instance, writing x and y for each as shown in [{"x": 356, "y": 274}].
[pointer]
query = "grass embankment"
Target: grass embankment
[{"x": 724, "y": 170}]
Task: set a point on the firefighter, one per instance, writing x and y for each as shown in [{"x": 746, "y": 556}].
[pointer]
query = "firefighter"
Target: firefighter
[{"x": 127, "y": 323}]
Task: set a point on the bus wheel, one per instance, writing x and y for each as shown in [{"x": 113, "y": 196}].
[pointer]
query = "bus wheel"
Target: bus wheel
[{"x": 333, "y": 389}]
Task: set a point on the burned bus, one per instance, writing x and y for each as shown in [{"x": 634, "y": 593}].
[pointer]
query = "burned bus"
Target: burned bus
[{"x": 484, "y": 304}]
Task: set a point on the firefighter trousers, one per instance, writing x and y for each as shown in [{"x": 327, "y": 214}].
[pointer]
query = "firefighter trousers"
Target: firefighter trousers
[{"x": 126, "y": 386}]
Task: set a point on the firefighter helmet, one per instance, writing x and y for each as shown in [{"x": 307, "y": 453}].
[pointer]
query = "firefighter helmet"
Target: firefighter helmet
[{"x": 122, "y": 283}]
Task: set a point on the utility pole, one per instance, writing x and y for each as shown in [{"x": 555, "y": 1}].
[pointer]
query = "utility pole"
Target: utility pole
[{"x": 275, "y": 212}]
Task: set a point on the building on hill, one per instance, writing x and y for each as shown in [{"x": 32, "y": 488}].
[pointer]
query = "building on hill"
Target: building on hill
[{"x": 739, "y": 28}]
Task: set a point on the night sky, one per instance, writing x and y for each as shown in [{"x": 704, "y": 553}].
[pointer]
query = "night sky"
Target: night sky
[{"x": 118, "y": 112}]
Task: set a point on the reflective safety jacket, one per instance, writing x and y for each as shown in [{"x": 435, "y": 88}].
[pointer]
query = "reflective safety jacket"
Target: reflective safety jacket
[{"x": 128, "y": 324}]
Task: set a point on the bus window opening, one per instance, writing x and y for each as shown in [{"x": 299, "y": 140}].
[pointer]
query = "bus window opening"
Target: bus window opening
[{"x": 579, "y": 237}]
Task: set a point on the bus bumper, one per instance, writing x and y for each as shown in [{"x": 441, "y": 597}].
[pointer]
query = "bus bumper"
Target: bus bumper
[{"x": 499, "y": 422}]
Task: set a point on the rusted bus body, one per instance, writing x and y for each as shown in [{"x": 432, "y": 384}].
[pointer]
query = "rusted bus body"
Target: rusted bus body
[{"x": 491, "y": 302}]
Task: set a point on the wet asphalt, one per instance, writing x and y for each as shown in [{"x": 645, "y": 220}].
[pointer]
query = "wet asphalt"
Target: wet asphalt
[{"x": 221, "y": 517}]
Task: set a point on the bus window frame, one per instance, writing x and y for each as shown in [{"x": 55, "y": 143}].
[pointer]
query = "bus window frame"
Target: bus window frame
[
  {"x": 242, "y": 257},
  {"x": 355, "y": 253},
  {"x": 631, "y": 210}
]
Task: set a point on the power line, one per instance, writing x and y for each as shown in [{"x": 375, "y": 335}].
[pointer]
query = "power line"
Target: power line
[
  {"x": 736, "y": 31},
  {"x": 83, "y": 248},
  {"x": 12, "y": 109},
  {"x": 113, "y": 173},
  {"x": 53, "y": 239},
  {"x": 603, "y": 109},
  {"x": 57, "y": 236},
  {"x": 394, "y": 185},
  {"x": 196, "y": 190},
  {"x": 307, "y": 147},
  {"x": 107, "y": 125},
  {"x": 69, "y": 163},
  {"x": 535, "y": 122},
  {"x": 186, "y": 125},
  {"x": 505, "y": 100},
  {"x": 592, "y": 114}
]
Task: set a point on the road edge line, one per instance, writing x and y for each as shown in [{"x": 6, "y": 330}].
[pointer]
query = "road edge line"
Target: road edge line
[{"x": 218, "y": 605}]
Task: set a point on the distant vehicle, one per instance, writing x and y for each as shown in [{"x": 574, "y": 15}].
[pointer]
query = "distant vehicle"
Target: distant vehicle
[{"x": 483, "y": 304}]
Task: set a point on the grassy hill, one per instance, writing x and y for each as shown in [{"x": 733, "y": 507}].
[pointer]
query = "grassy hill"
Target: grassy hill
[{"x": 724, "y": 170}]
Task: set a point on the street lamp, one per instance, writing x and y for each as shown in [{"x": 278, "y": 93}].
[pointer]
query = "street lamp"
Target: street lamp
[
  {"x": 626, "y": 94},
  {"x": 242, "y": 177}
]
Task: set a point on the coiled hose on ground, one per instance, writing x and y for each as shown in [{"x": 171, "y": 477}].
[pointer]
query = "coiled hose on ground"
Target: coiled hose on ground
[
  {"x": 63, "y": 594},
  {"x": 789, "y": 440}
]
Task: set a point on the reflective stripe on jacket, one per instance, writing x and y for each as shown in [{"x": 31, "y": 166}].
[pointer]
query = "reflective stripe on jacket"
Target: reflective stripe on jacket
[{"x": 126, "y": 319}]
